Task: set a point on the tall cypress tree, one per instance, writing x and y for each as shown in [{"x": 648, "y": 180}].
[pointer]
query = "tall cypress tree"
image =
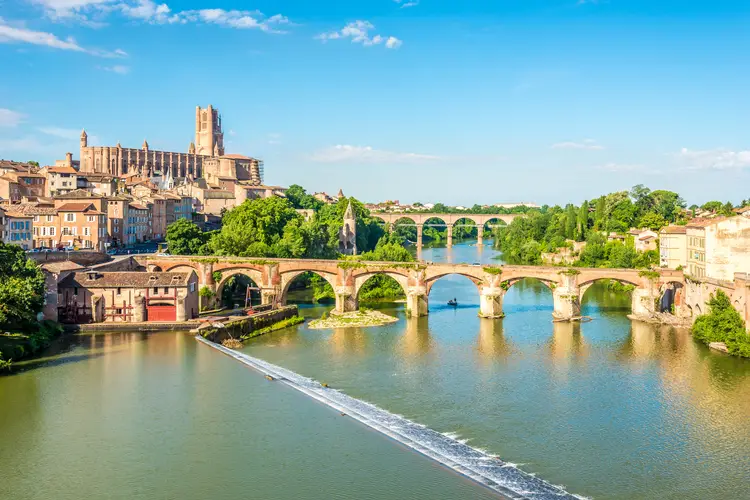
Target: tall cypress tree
[
  {"x": 583, "y": 220},
  {"x": 570, "y": 222}
]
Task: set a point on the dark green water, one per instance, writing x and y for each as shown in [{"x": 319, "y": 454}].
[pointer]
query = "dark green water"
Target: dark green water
[{"x": 609, "y": 409}]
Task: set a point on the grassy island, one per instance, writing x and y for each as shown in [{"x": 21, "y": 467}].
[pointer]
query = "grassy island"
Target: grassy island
[{"x": 354, "y": 319}]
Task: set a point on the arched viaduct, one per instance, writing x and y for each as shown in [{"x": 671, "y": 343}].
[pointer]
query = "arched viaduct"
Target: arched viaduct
[
  {"x": 449, "y": 220},
  {"x": 274, "y": 276}
]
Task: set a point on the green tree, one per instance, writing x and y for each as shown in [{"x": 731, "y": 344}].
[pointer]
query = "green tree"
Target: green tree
[
  {"x": 21, "y": 289},
  {"x": 34, "y": 163},
  {"x": 185, "y": 238},
  {"x": 712, "y": 206},
  {"x": 652, "y": 220},
  {"x": 570, "y": 222},
  {"x": 583, "y": 221}
]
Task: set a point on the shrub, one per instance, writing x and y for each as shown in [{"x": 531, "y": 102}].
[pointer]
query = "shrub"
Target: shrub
[{"x": 723, "y": 324}]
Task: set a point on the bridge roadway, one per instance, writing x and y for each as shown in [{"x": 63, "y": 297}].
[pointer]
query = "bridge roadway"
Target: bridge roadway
[
  {"x": 419, "y": 219},
  {"x": 274, "y": 276}
]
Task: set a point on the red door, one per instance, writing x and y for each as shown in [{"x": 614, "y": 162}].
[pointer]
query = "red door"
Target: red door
[{"x": 161, "y": 313}]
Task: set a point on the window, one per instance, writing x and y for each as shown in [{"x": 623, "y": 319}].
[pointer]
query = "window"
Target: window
[
  {"x": 156, "y": 290},
  {"x": 36, "y": 218},
  {"x": 166, "y": 290},
  {"x": 75, "y": 291},
  {"x": 90, "y": 218},
  {"x": 52, "y": 231},
  {"x": 86, "y": 231},
  {"x": 70, "y": 217},
  {"x": 49, "y": 218},
  {"x": 119, "y": 291},
  {"x": 192, "y": 287}
]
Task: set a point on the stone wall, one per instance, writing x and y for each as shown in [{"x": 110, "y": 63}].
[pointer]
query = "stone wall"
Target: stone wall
[{"x": 245, "y": 326}]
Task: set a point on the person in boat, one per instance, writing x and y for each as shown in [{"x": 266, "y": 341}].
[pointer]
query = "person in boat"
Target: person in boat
[{"x": 453, "y": 302}]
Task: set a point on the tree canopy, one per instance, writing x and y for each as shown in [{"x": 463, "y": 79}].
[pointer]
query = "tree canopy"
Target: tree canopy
[{"x": 723, "y": 324}]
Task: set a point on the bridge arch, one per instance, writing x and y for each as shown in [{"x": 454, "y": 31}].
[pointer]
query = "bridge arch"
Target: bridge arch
[
  {"x": 491, "y": 222},
  {"x": 508, "y": 284},
  {"x": 361, "y": 279},
  {"x": 255, "y": 276},
  {"x": 289, "y": 277},
  {"x": 430, "y": 282},
  {"x": 181, "y": 268}
]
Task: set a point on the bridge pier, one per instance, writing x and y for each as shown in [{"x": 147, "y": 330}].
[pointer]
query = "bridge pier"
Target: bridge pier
[
  {"x": 416, "y": 301},
  {"x": 420, "y": 227},
  {"x": 567, "y": 305},
  {"x": 480, "y": 235},
  {"x": 645, "y": 301},
  {"x": 269, "y": 296},
  {"x": 450, "y": 236},
  {"x": 491, "y": 302},
  {"x": 346, "y": 299}
]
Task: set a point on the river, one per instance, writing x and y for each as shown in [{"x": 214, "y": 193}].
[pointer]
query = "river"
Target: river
[{"x": 607, "y": 409}]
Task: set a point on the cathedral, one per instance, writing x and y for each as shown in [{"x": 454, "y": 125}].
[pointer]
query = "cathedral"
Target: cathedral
[{"x": 205, "y": 157}]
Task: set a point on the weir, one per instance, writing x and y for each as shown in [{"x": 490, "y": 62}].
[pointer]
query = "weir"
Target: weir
[{"x": 475, "y": 464}]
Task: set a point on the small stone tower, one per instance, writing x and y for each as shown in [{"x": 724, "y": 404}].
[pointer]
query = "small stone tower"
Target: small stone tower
[
  {"x": 348, "y": 233},
  {"x": 84, "y": 139}
]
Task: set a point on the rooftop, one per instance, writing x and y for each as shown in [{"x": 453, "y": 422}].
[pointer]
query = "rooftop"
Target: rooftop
[
  {"x": 672, "y": 229},
  {"x": 76, "y": 207},
  {"x": 61, "y": 170}
]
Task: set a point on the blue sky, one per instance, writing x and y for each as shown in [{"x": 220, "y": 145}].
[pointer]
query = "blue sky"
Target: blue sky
[{"x": 430, "y": 100}]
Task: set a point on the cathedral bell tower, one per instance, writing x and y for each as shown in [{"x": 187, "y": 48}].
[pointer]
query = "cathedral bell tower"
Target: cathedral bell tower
[{"x": 209, "y": 136}]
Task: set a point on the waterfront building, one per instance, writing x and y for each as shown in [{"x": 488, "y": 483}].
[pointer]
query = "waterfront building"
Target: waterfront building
[
  {"x": 90, "y": 296},
  {"x": 673, "y": 247},
  {"x": 718, "y": 248}
]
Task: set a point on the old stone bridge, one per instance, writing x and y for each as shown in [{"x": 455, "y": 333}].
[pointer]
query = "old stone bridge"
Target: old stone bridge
[
  {"x": 273, "y": 277},
  {"x": 420, "y": 220}
]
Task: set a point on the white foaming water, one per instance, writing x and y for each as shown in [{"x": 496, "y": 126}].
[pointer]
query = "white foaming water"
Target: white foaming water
[{"x": 486, "y": 469}]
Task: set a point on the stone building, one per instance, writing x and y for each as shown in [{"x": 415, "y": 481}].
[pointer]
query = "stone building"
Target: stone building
[
  {"x": 91, "y": 296},
  {"x": 60, "y": 180},
  {"x": 82, "y": 226},
  {"x": 673, "y": 247},
  {"x": 718, "y": 248}
]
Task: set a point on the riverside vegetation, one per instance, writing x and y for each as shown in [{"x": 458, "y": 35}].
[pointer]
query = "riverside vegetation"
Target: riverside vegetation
[
  {"x": 22, "y": 334},
  {"x": 550, "y": 228},
  {"x": 723, "y": 324}
]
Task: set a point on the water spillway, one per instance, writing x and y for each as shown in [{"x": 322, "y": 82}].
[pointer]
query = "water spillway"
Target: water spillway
[{"x": 476, "y": 464}]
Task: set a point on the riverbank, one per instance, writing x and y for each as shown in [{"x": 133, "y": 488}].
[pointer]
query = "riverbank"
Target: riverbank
[
  {"x": 355, "y": 319},
  {"x": 21, "y": 346}
]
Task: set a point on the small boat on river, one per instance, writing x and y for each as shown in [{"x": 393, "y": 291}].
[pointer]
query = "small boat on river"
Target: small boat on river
[{"x": 453, "y": 302}]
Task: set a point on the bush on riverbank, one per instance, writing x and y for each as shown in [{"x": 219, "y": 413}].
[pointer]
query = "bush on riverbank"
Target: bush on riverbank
[
  {"x": 21, "y": 301},
  {"x": 723, "y": 324}
]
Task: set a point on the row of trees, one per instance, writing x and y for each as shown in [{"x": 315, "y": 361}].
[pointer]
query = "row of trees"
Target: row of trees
[
  {"x": 271, "y": 227},
  {"x": 549, "y": 228}
]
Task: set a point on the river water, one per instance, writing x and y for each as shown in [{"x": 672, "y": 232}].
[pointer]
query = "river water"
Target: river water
[{"x": 607, "y": 409}]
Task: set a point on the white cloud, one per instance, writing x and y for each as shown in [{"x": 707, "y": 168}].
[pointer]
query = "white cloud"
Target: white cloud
[
  {"x": 715, "y": 159},
  {"x": 407, "y": 3},
  {"x": 10, "y": 118},
  {"x": 23, "y": 144},
  {"x": 63, "y": 133},
  {"x": 366, "y": 154},
  {"x": 117, "y": 68},
  {"x": 588, "y": 144},
  {"x": 89, "y": 11},
  {"x": 11, "y": 34},
  {"x": 359, "y": 32}
]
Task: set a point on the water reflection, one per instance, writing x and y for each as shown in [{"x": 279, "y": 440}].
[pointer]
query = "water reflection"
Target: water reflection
[
  {"x": 348, "y": 341},
  {"x": 491, "y": 342},
  {"x": 567, "y": 342},
  {"x": 416, "y": 338}
]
